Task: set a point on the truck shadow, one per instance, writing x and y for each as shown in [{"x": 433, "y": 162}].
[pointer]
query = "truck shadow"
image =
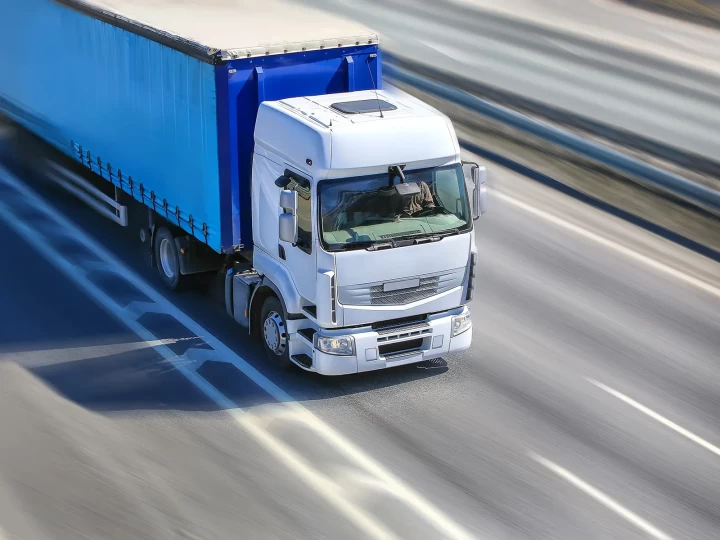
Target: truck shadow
[
  {"x": 134, "y": 378},
  {"x": 306, "y": 387},
  {"x": 139, "y": 379},
  {"x": 102, "y": 366}
]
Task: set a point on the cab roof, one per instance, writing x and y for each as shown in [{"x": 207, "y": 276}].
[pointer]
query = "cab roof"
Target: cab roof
[
  {"x": 318, "y": 140},
  {"x": 336, "y": 110}
]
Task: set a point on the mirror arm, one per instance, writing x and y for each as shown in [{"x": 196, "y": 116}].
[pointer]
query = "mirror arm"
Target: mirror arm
[
  {"x": 300, "y": 180},
  {"x": 396, "y": 170}
]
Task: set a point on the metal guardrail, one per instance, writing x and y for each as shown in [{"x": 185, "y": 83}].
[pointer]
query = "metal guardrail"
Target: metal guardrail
[
  {"x": 83, "y": 190},
  {"x": 692, "y": 192}
]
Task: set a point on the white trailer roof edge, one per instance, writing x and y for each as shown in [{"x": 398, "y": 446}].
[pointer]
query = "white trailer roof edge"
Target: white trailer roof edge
[{"x": 215, "y": 31}]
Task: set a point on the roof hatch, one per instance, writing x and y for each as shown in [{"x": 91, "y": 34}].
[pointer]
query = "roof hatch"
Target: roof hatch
[{"x": 363, "y": 106}]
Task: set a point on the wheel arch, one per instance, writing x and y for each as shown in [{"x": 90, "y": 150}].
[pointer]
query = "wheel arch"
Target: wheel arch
[
  {"x": 194, "y": 256},
  {"x": 266, "y": 289}
]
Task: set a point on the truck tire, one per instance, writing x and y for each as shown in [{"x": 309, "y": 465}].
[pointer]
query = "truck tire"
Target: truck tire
[
  {"x": 167, "y": 260},
  {"x": 274, "y": 334}
]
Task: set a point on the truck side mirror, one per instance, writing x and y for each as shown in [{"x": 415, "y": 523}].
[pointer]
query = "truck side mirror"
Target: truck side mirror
[
  {"x": 288, "y": 221},
  {"x": 478, "y": 177}
]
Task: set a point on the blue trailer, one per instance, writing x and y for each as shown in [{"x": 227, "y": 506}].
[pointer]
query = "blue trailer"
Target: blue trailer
[{"x": 161, "y": 99}]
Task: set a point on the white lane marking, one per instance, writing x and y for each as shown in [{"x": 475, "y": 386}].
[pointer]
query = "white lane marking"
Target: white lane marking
[
  {"x": 602, "y": 498},
  {"x": 655, "y": 416},
  {"x": 414, "y": 500},
  {"x": 656, "y": 265}
]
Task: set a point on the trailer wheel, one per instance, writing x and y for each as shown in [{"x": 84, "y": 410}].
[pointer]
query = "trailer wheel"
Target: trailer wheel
[
  {"x": 274, "y": 334},
  {"x": 167, "y": 260}
]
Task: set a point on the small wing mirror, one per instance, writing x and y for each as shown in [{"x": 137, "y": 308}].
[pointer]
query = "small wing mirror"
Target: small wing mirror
[
  {"x": 288, "y": 221},
  {"x": 478, "y": 177},
  {"x": 289, "y": 201}
]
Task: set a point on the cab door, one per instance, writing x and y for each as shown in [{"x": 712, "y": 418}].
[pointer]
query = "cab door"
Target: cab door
[{"x": 299, "y": 256}]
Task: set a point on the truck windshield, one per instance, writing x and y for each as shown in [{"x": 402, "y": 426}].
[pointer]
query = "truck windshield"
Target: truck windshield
[{"x": 362, "y": 211}]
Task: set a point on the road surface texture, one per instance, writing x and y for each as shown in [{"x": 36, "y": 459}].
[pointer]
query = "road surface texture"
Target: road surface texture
[
  {"x": 587, "y": 407},
  {"x": 102, "y": 439},
  {"x": 642, "y": 72}
]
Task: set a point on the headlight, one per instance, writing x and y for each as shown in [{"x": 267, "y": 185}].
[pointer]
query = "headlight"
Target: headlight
[
  {"x": 460, "y": 324},
  {"x": 341, "y": 346}
]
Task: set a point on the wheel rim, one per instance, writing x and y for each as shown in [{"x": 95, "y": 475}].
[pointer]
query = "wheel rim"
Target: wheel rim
[
  {"x": 167, "y": 259},
  {"x": 274, "y": 333}
]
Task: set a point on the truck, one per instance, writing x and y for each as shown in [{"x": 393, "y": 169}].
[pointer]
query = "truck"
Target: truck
[{"x": 262, "y": 143}]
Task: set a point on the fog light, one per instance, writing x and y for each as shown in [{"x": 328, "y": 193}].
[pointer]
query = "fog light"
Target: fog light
[
  {"x": 340, "y": 346},
  {"x": 460, "y": 324}
]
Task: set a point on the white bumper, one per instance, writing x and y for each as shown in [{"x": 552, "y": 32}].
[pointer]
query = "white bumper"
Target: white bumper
[{"x": 397, "y": 346}]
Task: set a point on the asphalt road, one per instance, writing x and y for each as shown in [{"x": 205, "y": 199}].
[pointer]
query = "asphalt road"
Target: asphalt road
[
  {"x": 600, "y": 59},
  {"x": 587, "y": 408},
  {"x": 103, "y": 439}
]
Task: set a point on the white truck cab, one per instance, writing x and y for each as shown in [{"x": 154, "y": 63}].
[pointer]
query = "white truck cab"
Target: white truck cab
[{"x": 364, "y": 250}]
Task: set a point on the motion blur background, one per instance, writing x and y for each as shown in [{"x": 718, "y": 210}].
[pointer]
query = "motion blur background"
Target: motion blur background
[{"x": 589, "y": 404}]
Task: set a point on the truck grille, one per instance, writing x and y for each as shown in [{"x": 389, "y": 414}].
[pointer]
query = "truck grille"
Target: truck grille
[
  {"x": 428, "y": 287},
  {"x": 404, "y": 332},
  {"x": 384, "y": 327},
  {"x": 374, "y": 294}
]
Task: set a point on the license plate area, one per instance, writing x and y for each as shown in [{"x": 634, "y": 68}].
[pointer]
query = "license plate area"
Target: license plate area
[
  {"x": 400, "y": 285},
  {"x": 401, "y": 348}
]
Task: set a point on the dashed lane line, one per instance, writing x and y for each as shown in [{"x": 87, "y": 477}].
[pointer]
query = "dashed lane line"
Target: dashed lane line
[
  {"x": 602, "y": 498},
  {"x": 658, "y": 417}
]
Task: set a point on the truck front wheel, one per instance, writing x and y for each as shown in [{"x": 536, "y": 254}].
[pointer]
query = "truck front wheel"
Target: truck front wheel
[
  {"x": 167, "y": 260},
  {"x": 274, "y": 334}
]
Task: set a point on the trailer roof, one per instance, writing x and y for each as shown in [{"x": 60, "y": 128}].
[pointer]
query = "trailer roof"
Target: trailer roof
[{"x": 215, "y": 30}]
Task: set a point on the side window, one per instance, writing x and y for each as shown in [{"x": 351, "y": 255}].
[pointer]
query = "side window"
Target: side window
[
  {"x": 448, "y": 192},
  {"x": 304, "y": 215}
]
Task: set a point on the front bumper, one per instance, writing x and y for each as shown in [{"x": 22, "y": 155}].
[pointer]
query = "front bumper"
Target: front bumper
[{"x": 396, "y": 346}]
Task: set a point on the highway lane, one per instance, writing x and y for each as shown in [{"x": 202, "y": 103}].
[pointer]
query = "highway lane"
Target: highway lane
[
  {"x": 553, "y": 311},
  {"x": 607, "y": 62},
  {"x": 101, "y": 438},
  {"x": 511, "y": 440}
]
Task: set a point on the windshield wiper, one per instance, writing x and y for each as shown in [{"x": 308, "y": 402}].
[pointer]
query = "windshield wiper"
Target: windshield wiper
[
  {"x": 351, "y": 245},
  {"x": 432, "y": 236},
  {"x": 398, "y": 241},
  {"x": 377, "y": 246},
  {"x": 448, "y": 232}
]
